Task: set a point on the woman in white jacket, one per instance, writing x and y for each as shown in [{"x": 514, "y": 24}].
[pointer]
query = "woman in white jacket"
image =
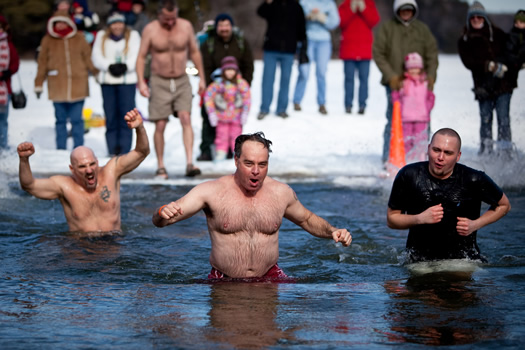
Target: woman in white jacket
[{"x": 115, "y": 53}]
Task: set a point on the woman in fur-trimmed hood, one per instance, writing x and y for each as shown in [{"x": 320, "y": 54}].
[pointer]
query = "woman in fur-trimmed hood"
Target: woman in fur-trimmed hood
[{"x": 65, "y": 61}]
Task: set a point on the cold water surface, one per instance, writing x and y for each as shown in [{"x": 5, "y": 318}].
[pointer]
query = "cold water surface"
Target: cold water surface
[{"x": 147, "y": 288}]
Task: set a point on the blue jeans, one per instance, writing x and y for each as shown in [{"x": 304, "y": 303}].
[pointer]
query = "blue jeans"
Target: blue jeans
[
  {"x": 388, "y": 126},
  {"x": 502, "y": 106},
  {"x": 363, "y": 69},
  {"x": 118, "y": 100},
  {"x": 270, "y": 60},
  {"x": 73, "y": 112},
  {"x": 4, "y": 113},
  {"x": 319, "y": 51}
]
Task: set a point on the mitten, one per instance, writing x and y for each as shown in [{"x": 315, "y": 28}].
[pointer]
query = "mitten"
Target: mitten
[
  {"x": 118, "y": 69},
  {"x": 303, "y": 56},
  {"x": 212, "y": 117},
  {"x": 38, "y": 91},
  {"x": 4, "y": 75}
]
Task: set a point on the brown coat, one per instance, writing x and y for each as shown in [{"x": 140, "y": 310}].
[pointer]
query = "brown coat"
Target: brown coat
[{"x": 65, "y": 62}]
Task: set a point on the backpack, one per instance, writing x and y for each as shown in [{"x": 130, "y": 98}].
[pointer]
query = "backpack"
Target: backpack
[{"x": 209, "y": 37}]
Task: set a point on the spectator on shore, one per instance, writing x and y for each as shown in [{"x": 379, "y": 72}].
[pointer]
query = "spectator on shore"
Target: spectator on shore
[
  {"x": 358, "y": 18},
  {"x": 286, "y": 27},
  {"x": 9, "y": 64},
  {"x": 321, "y": 18},
  {"x": 395, "y": 39},
  {"x": 115, "y": 54},
  {"x": 65, "y": 61},
  {"x": 221, "y": 40}
]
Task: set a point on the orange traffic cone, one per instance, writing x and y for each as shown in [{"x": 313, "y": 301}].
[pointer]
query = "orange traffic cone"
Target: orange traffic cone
[{"x": 396, "y": 158}]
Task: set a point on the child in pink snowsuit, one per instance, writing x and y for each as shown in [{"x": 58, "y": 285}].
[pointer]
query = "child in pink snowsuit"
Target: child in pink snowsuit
[
  {"x": 227, "y": 103},
  {"x": 416, "y": 103}
]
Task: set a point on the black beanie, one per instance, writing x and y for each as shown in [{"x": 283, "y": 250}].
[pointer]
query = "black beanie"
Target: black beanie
[{"x": 221, "y": 17}]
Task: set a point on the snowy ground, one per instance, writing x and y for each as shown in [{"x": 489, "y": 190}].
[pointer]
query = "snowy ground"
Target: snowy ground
[{"x": 343, "y": 148}]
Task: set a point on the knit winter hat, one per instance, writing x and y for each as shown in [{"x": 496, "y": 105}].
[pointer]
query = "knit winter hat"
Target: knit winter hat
[
  {"x": 221, "y": 17},
  {"x": 519, "y": 16},
  {"x": 115, "y": 17},
  {"x": 229, "y": 62},
  {"x": 413, "y": 60},
  {"x": 476, "y": 9}
]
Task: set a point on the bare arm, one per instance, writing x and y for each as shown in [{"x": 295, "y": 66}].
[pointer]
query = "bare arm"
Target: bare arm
[
  {"x": 314, "y": 224},
  {"x": 40, "y": 188},
  {"x": 466, "y": 226},
  {"x": 133, "y": 158},
  {"x": 400, "y": 221},
  {"x": 145, "y": 44},
  {"x": 183, "y": 208},
  {"x": 196, "y": 58}
]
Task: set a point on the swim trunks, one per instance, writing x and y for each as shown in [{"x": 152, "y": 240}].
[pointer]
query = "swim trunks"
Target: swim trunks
[
  {"x": 169, "y": 95},
  {"x": 274, "y": 272}
]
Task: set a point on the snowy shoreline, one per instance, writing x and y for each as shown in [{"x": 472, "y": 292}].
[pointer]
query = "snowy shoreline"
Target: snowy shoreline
[{"x": 306, "y": 145}]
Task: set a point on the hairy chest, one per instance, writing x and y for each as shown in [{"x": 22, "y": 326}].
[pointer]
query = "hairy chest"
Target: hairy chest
[{"x": 256, "y": 215}]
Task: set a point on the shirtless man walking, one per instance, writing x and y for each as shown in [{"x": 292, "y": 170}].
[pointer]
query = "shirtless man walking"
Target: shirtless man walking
[
  {"x": 90, "y": 196},
  {"x": 170, "y": 40},
  {"x": 244, "y": 212}
]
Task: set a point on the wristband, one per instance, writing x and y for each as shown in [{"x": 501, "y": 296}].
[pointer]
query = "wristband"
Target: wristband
[{"x": 160, "y": 209}]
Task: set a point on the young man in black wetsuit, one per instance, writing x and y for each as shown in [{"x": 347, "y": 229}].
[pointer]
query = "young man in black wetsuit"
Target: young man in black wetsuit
[{"x": 439, "y": 201}]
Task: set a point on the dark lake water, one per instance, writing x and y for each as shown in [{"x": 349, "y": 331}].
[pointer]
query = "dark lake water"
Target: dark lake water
[{"x": 147, "y": 288}]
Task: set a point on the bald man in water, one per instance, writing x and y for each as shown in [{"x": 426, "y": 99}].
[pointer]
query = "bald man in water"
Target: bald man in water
[
  {"x": 90, "y": 196},
  {"x": 244, "y": 213}
]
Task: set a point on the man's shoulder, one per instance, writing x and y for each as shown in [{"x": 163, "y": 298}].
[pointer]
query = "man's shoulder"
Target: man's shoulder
[
  {"x": 469, "y": 172},
  {"x": 276, "y": 186}
]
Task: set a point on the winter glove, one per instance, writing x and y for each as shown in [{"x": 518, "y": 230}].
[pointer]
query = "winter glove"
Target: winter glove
[
  {"x": 395, "y": 82},
  {"x": 4, "y": 75},
  {"x": 357, "y": 5},
  {"x": 117, "y": 69},
  {"x": 38, "y": 91},
  {"x": 214, "y": 120},
  {"x": 498, "y": 69},
  {"x": 303, "y": 56}
]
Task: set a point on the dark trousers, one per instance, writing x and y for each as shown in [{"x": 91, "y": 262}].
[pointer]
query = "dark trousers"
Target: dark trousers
[
  {"x": 208, "y": 133},
  {"x": 501, "y": 104},
  {"x": 118, "y": 100}
]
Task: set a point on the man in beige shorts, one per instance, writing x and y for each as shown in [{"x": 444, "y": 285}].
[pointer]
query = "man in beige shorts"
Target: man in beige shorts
[{"x": 170, "y": 41}]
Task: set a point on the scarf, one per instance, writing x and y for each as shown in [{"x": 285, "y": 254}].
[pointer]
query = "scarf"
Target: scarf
[
  {"x": 63, "y": 32},
  {"x": 4, "y": 65}
]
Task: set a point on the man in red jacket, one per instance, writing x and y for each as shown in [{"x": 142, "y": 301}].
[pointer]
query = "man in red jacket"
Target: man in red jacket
[{"x": 358, "y": 17}]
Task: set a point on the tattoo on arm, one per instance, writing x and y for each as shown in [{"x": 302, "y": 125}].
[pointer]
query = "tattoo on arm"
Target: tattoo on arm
[{"x": 105, "y": 194}]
